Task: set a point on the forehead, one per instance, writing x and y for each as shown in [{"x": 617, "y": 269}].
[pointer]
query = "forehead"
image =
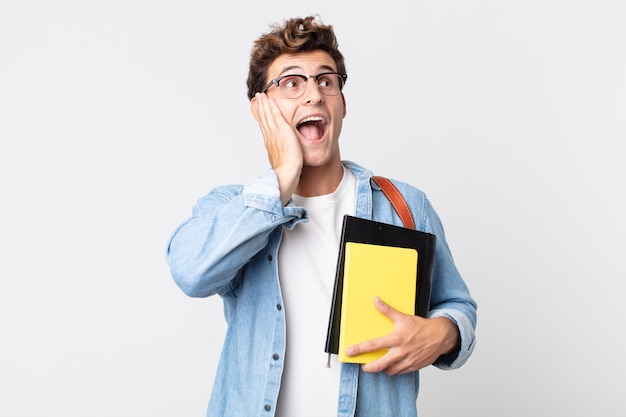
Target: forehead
[{"x": 306, "y": 63}]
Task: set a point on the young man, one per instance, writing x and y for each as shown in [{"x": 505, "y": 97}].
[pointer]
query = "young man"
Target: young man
[{"x": 269, "y": 249}]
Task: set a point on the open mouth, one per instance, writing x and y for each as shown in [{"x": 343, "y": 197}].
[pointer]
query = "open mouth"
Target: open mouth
[{"x": 313, "y": 128}]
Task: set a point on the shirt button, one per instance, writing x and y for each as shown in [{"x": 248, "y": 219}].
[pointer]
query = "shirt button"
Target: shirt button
[
  {"x": 275, "y": 356},
  {"x": 269, "y": 258},
  {"x": 279, "y": 307},
  {"x": 267, "y": 407}
]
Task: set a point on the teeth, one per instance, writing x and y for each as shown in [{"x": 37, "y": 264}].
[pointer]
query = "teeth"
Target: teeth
[{"x": 312, "y": 119}]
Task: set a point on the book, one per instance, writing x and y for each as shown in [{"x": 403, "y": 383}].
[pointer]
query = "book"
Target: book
[
  {"x": 370, "y": 271},
  {"x": 365, "y": 231}
]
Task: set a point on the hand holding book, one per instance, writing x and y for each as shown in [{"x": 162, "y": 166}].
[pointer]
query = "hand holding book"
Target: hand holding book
[{"x": 415, "y": 342}]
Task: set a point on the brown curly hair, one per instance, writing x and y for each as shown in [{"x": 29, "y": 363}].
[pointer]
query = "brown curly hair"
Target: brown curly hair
[{"x": 295, "y": 35}]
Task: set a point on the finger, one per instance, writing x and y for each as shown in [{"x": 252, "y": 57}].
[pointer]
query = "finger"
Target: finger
[
  {"x": 367, "y": 346},
  {"x": 263, "y": 112},
  {"x": 387, "y": 310},
  {"x": 380, "y": 342},
  {"x": 394, "y": 368},
  {"x": 393, "y": 363},
  {"x": 406, "y": 366},
  {"x": 273, "y": 121},
  {"x": 383, "y": 363}
]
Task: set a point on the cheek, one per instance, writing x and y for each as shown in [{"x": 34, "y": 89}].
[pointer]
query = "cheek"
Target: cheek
[
  {"x": 337, "y": 124},
  {"x": 288, "y": 110}
]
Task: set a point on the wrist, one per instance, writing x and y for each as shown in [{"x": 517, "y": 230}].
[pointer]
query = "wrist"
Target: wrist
[
  {"x": 450, "y": 336},
  {"x": 288, "y": 179}
]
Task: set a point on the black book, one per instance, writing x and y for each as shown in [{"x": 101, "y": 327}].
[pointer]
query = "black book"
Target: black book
[{"x": 355, "y": 229}]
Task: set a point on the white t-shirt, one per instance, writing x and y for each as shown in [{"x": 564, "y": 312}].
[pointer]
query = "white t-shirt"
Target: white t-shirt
[{"x": 307, "y": 259}]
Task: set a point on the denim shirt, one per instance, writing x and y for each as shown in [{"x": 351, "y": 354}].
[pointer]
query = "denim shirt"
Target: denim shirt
[{"x": 229, "y": 247}]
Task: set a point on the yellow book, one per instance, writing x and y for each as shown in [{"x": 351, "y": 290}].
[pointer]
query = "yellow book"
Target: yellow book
[{"x": 374, "y": 270}]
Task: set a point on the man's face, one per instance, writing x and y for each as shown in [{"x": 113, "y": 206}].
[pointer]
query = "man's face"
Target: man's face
[{"x": 317, "y": 118}]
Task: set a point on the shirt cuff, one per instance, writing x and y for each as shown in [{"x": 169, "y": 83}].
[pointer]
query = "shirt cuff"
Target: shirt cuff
[
  {"x": 467, "y": 334},
  {"x": 264, "y": 194}
]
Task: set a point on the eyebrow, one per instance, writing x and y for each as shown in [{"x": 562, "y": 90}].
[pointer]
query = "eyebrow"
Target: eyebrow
[{"x": 296, "y": 67}]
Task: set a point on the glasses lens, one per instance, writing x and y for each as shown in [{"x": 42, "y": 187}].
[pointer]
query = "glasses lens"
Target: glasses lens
[
  {"x": 329, "y": 84},
  {"x": 292, "y": 86}
]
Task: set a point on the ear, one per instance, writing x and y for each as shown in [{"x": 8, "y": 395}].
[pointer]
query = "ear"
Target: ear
[
  {"x": 343, "y": 99},
  {"x": 253, "y": 108}
]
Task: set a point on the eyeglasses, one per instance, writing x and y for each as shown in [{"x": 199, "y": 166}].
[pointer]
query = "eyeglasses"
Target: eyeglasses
[{"x": 294, "y": 85}]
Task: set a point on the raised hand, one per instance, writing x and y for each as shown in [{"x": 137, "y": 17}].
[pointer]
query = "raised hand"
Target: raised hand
[{"x": 283, "y": 148}]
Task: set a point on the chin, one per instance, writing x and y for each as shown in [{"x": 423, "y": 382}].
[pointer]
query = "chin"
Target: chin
[
  {"x": 319, "y": 157},
  {"x": 316, "y": 161}
]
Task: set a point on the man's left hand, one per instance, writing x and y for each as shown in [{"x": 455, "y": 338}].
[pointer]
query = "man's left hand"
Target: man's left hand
[{"x": 414, "y": 343}]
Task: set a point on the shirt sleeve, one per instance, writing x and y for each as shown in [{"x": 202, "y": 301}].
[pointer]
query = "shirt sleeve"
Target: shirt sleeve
[{"x": 227, "y": 228}]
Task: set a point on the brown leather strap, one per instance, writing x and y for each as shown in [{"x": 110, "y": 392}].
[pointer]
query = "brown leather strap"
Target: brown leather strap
[{"x": 397, "y": 201}]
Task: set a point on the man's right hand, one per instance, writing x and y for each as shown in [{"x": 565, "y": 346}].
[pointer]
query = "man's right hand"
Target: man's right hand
[{"x": 281, "y": 142}]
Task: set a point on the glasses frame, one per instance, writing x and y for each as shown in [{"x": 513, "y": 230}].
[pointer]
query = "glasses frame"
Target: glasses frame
[{"x": 276, "y": 82}]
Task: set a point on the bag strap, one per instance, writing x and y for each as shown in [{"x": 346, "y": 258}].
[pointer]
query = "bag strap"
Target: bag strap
[{"x": 396, "y": 199}]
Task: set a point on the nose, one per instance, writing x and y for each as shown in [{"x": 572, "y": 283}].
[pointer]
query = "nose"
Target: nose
[{"x": 312, "y": 93}]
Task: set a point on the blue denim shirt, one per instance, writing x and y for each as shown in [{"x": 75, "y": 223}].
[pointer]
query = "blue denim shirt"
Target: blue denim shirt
[{"x": 229, "y": 247}]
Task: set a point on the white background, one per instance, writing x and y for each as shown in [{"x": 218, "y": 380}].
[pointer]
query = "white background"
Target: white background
[{"x": 116, "y": 116}]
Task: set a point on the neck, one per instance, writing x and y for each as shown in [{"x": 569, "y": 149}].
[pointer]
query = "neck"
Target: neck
[{"x": 316, "y": 181}]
